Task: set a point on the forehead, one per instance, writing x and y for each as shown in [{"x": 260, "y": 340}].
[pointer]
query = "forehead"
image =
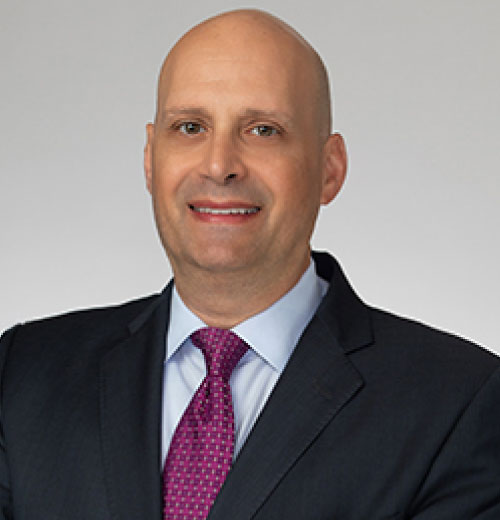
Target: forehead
[
  {"x": 227, "y": 76},
  {"x": 254, "y": 68}
]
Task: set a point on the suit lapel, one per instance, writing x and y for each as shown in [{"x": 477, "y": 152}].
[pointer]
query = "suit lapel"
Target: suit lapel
[
  {"x": 130, "y": 387},
  {"x": 317, "y": 383}
]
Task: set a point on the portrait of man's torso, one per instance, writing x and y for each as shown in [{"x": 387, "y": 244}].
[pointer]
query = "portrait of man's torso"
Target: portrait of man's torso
[{"x": 308, "y": 329}]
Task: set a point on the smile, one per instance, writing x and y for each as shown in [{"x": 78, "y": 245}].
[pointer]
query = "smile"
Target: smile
[{"x": 225, "y": 211}]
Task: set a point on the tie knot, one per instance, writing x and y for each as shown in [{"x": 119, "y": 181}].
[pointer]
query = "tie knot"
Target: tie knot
[{"x": 221, "y": 348}]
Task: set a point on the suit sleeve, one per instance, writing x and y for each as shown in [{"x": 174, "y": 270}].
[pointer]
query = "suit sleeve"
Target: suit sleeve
[
  {"x": 464, "y": 480},
  {"x": 5, "y": 493}
]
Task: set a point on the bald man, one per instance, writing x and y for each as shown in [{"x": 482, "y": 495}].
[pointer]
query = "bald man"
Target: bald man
[{"x": 256, "y": 385}]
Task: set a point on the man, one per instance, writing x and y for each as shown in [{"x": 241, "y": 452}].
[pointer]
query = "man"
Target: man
[{"x": 256, "y": 385}]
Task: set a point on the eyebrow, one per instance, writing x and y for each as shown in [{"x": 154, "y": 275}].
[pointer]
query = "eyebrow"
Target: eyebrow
[
  {"x": 253, "y": 113},
  {"x": 180, "y": 111}
]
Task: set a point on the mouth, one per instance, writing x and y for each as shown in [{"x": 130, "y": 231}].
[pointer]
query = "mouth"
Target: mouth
[
  {"x": 225, "y": 211},
  {"x": 230, "y": 212}
]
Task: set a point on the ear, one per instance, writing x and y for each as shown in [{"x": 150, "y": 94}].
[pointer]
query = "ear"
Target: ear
[
  {"x": 334, "y": 167},
  {"x": 148, "y": 155}
]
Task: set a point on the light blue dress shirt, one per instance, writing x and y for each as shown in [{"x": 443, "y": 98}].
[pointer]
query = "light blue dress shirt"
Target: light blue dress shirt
[{"x": 272, "y": 335}]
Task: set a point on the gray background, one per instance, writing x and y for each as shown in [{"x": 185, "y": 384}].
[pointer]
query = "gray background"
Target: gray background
[{"x": 417, "y": 98}]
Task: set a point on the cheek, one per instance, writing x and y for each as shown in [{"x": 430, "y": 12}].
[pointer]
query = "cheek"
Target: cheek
[
  {"x": 169, "y": 174},
  {"x": 295, "y": 183}
]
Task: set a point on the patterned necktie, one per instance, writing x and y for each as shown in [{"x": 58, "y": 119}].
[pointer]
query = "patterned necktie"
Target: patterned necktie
[{"x": 201, "y": 450}]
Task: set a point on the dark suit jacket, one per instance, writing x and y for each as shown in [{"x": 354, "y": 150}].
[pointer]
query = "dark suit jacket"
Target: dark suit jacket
[{"x": 375, "y": 417}]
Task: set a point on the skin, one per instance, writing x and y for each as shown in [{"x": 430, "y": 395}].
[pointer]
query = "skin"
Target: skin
[{"x": 242, "y": 121}]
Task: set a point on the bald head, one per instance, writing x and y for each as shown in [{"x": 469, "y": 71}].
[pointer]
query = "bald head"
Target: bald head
[
  {"x": 242, "y": 125},
  {"x": 253, "y": 35}
]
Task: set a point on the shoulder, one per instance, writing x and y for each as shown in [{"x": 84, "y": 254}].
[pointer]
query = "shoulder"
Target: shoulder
[
  {"x": 437, "y": 365},
  {"x": 418, "y": 340},
  {"x": 403, "y": 349},
  {"x": 76, "y": 331}
]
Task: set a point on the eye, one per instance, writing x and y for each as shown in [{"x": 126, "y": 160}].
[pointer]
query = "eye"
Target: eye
[
  {"x": 264, "y": 130},
  {"x": 191, "y": 128}
]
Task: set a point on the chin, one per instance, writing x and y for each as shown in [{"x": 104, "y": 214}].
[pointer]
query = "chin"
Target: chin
[{"x": 222, "y": 260}]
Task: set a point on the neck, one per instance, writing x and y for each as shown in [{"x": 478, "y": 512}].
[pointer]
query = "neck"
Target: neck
[{"x": 224, "y": 299}]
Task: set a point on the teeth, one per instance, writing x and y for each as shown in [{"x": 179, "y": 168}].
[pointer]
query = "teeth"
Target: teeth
[{"x": 226, "y": 211}]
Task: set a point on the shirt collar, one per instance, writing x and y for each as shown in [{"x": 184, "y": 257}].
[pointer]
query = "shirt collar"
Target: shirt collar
[
  {"x": 183, "y": 322},
  {"x": 272, "y": 334}
]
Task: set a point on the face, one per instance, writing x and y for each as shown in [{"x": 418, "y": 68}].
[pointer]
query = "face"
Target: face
[{"x": 234, "y": 162}]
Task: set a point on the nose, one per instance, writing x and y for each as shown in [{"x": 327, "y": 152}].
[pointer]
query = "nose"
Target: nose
[{"x": 223, "y": 161}]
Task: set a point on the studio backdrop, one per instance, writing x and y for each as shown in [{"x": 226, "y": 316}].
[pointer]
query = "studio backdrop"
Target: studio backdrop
[{"x": 417, "y": 97}]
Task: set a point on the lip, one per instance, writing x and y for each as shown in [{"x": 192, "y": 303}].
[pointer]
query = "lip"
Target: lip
[
  {"x": 226, "y": 204},
  {"x": 223, "y": 218}
]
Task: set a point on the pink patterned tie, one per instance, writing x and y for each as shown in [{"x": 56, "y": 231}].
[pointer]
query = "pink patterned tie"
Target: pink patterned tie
[{"x": 201, "y": 450}]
